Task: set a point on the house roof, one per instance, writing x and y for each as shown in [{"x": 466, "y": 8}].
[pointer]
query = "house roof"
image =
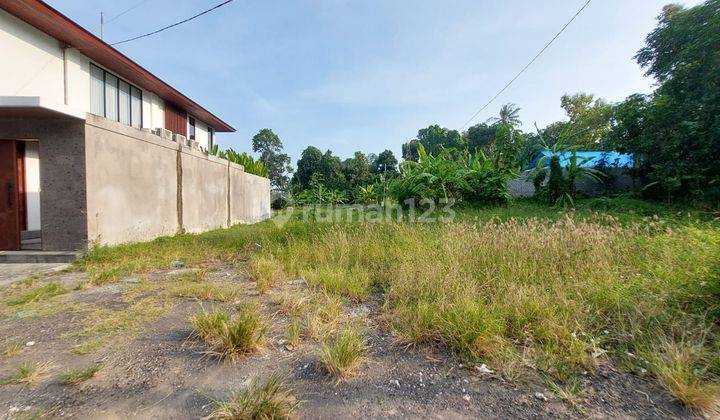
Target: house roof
[
  {"x": 40, "y": 15},
  {"x": 586, "y": 158}
]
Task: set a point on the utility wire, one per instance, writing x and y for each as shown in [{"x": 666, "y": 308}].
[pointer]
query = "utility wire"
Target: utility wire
[
  {"x": 527, "y": 65},
  {"x": 173, "y": 25},
  {"x": 129, "y": 9}
]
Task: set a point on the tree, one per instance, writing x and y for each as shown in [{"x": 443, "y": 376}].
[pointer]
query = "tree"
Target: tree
[
  {"x": 386, "y": 163},
  {"x": 677, "y": 131},
  {"x": 589, "y": 120},
  {"x": 410, "y": 150},
  {"x": 481, "y": 137},
  {"x": 268, "y": 144},
  {"x": 433, "y": 138},
  {"x": 331, "y": 170},
  {"x": 357, "y": 171},
  {"x": 509, "y": 115},
  {"x": 308, "y": 164}
]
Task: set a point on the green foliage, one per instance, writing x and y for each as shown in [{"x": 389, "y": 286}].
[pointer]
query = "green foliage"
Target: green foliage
[
  {"x": 677, "y": 129},
  {"x": 252, "y": 166},
  {"x": 445, "y": 177}
]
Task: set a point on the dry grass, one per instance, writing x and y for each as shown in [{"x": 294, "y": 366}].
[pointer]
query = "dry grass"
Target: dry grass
[
  {"x": 230, "y": 337},
  {"x": 344, "y": 354},
  {"x": 12, "y": 347},
  {"x": 267, "y": 272},
  {"x": 269, "y": 399},
  {"x": 527, "y": 293}
]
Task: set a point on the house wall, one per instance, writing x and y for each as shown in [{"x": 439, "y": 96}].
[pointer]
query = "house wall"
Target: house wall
[
  {"x": 61, "y": 146},
  {"x": 141, "y": 186},
  {"x": 33, "y": 66}
]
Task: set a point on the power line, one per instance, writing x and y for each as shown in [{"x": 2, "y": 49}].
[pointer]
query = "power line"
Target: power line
[
  {"x": 527, "y": 66},
  {"x": 173, "y": 25},
  {"x": 129, "y": 9}
]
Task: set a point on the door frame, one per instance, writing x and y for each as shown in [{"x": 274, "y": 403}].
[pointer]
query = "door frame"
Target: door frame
[{"x": 20, "y": 196}]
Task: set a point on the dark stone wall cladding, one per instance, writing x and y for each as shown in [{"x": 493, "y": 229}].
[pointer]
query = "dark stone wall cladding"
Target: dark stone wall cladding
[{"x": 63, "y": 198}]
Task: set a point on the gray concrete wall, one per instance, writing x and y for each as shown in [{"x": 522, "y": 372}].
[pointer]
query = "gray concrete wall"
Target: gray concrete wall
[
  {"x": 141, "y": 186},
  {"x": 131, "y": 183},
  {"x": 204, "y": 191},
  {"x": 250, "y": 198},
  {"x": 63, "y": 210},
  {"x": 618, "y": 181}
]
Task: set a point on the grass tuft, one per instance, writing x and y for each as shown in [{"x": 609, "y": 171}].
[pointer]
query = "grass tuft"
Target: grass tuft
[
  {"x": 75, "y": 376},
  {"x": 11, "y": 347},
  {"x": 267, "y": 272},
  {"x": 294, "y": 332},
  {"x": 269, "y": 399},
  {"x": 28, "y": 373},
  {"x": 228, "y": 337},
  {"x": 344, "y": 354}
]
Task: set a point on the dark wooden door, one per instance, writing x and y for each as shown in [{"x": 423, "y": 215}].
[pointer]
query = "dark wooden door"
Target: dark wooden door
[
  {"x": 9, "y": 202},
  {"x": 175, "y": 120}
]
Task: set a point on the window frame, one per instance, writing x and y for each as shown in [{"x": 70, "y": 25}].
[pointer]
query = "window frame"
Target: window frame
[
  {"x": 105, "y": 73},
  {"x": 211, "y": 137},
  {"x": 192, "y": 131}
]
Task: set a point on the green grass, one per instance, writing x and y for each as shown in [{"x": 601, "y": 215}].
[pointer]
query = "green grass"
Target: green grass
[
  {"x": 343, "y": 355},
  {"x": 75, "y": 376},
  {"x": 272, "y": 398},
  {"x": 529, "y": 289},
  {"x": 11, "y": 347}
]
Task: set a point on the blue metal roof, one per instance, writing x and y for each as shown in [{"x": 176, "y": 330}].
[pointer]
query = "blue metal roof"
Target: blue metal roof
[{"x": 587, "y": 158}]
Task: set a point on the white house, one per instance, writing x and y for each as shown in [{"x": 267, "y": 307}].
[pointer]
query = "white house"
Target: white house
[{"x": 96, "y": 149}]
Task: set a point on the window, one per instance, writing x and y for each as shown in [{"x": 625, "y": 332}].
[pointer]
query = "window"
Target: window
[
  {"x": 136, "y": 107},
  {"x": 114, "y": 99},
  {"x": 111, "y": 97},
  {"x": 124, "y": 102},
  {"x": 97, "y": 85},
  {"x": 191, "y": 121},
  {"x": 210, "y": 137}
]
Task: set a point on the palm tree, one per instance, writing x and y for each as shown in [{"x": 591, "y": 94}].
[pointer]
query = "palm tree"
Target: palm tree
[{"x": 509, "y": 114}]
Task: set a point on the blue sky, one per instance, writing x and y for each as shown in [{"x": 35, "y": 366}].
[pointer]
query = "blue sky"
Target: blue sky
[{"x": 367, "y": 74}]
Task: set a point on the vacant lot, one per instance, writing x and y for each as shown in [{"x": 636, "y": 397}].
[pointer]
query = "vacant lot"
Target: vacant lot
[{"x": 511, "y": 311}]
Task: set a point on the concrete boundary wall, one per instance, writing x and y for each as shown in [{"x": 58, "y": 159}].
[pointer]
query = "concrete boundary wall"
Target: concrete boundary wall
[{"x": 142, "y": 186}]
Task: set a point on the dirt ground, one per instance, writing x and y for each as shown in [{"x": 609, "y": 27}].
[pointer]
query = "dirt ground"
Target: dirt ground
[{"x": 159, "y": 372}]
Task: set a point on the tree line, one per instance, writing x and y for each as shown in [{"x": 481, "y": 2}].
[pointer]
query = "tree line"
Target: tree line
[{"x": 673, "y": 132}]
